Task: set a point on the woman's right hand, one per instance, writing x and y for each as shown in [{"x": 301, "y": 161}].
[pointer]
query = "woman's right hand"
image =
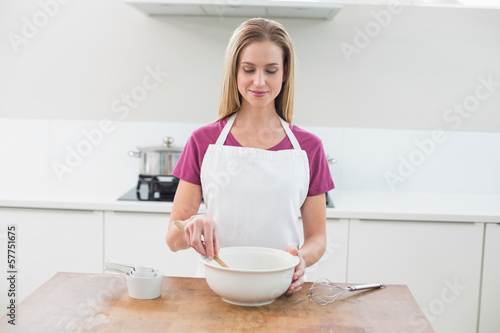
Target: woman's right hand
[{"x": 200, "y": 232}]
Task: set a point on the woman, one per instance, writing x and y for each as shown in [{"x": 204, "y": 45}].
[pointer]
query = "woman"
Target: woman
[{"x": 256, "y": 173}]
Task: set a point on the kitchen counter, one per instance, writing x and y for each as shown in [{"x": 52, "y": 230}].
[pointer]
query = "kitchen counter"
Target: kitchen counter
[
  {"x": 100, "y": 303},
  {"x": 348, "y": 204}
]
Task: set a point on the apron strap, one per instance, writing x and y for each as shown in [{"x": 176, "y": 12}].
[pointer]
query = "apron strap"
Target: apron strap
[
  {"x": 227, "y": 128},
  {"x": 225, "y": 131},
  {"x": 292, "y": 137}
]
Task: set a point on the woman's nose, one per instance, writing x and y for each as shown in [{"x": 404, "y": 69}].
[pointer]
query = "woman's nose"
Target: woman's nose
[{"x": 258, "y": 80}]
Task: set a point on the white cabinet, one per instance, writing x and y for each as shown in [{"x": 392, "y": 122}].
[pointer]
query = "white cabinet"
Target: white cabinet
[
  {"x": 333, "y": 264},
  {"x": 140, "y": 238},
  {"x": 439, "y": 261},
  {"x": 49, "y": 241},
  {"x": 490, "y": 291}
]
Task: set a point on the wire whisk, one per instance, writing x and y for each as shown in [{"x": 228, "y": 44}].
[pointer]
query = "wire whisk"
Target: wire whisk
[{"x": 324, "y": 291}]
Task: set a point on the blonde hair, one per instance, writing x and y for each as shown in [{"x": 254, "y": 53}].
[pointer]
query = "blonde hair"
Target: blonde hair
[{"x": 251, "y": 31}]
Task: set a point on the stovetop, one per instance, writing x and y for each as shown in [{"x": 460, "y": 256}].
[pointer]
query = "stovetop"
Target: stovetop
[
  {"x": 143, "y": 195},
  {"x": 153, "y": 188}
]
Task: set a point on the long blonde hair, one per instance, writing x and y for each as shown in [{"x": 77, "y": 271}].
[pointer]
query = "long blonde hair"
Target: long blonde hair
[{"x": 251, "y": 31}]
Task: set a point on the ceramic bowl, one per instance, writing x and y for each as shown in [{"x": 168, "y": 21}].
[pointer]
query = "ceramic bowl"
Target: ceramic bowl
[
  {"x": 141, "y": 287},
  {"x": 256, "y": 275}
]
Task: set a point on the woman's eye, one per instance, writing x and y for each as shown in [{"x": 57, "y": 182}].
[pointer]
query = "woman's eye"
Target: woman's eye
[{"x": 268, "y": 71}]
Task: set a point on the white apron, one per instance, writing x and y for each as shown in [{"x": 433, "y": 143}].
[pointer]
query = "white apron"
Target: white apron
[{"x": 254, "y": 195}]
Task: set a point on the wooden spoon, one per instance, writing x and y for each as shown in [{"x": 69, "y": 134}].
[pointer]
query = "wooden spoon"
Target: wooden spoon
[{"x": 216, "y": 257}]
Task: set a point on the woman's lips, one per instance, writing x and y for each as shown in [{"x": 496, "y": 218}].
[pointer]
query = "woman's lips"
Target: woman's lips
[{"x": 258, "y": 93}]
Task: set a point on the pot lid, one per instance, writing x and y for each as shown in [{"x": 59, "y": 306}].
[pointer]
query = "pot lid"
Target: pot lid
[{"x": 167, "y": 146}]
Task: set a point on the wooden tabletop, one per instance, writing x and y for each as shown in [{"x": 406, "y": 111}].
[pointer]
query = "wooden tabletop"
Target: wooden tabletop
[{"x": 77, "y": 302}]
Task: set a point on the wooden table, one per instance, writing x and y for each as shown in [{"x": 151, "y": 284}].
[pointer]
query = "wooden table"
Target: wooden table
[{"x": 76, "y": 302}]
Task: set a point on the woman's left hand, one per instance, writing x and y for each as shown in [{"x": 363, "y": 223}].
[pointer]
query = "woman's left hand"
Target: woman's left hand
[{"x": 298, "y": 274}]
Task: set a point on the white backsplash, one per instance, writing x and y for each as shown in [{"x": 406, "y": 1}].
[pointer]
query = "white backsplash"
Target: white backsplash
[{"x": 465, "y": 162}]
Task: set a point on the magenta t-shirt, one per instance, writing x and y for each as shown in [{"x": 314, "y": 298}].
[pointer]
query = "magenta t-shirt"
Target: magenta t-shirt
[{"x": 189, "y": 165}]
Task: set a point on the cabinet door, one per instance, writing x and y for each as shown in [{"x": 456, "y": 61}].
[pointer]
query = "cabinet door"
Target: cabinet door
[
  {"x": 140, "y": 238},
  {"x": 333, "y": 263},
  {"x": 49, "y": 241},
  {"x": 490, "y": 290},
  {"x": 439, "y": 261}
]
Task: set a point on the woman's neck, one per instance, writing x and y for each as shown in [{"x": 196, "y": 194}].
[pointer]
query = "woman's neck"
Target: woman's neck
[
  {"x": 258, "y": 117},
  {"x": 258, "y": 128}
]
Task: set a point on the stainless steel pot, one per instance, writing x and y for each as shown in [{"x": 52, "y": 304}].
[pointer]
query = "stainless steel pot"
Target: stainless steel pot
[{"x": 158, "y": 161}]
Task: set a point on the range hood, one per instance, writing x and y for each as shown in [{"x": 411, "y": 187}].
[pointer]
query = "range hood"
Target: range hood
[{"x": 324, "y": 9}]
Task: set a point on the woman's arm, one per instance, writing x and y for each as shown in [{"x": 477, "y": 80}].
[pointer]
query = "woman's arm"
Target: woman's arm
[
  {"x": 313, "y": 213},
  {"x": 186, "y": 204},
  {"x": 314, "y": 222},
  {"x": 185, "y": 208}
]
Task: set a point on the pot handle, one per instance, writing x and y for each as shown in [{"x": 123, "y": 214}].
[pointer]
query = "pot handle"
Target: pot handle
[
  {"x": 168, "y": 141},
  {"x": 135, "y": 154},
  {"x": 331, "y": 160}
]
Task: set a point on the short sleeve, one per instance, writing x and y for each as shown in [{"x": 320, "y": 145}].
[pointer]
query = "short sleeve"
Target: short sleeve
[
  {"x": 189, "y": 164},
  {"x": 320, "y": 178}
]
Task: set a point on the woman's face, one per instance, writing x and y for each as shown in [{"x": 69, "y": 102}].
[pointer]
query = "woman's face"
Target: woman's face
[{"x": 260, "y": 74}]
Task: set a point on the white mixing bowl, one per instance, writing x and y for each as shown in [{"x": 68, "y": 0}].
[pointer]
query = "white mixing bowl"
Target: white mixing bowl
[{"x": 256, "y": 275}]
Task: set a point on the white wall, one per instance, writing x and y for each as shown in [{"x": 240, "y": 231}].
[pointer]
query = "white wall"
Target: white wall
[{"x": 90, "y": 53}]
